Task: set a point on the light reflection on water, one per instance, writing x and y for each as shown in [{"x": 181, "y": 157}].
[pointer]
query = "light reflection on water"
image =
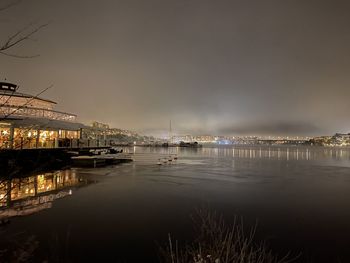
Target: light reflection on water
[
  {"x": 28, "y": 195},
  {"x": 279, "y": 153},
  {"x": 287, "y": 153},
  {"x": 300, "y": 195}
]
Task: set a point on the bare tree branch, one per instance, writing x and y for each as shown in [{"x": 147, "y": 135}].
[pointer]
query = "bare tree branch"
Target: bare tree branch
[
  {"x": 18, "y": 56},
  {"x": 9, "y": 5},
  {"x": 25, "y": 104},
  {"x": 19, "y": 37},
  {"x": 9, "y": 97}
]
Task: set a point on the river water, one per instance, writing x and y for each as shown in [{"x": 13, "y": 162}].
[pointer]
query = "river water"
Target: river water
[{"x": 300, "y": 197}]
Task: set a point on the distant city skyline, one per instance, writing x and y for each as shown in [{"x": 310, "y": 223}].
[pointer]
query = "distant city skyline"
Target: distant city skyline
[{"x": 212, "y": 67}]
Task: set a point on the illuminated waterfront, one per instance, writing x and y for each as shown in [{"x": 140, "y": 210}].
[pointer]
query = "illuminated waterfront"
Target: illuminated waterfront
[{"x": 237, "y": 106}]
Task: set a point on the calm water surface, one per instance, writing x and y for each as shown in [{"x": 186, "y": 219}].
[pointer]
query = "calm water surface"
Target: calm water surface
[{"x": 299, "y": 196}]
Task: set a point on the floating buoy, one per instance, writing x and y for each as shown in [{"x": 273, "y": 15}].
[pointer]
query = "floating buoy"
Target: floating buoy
[{"x": 159, "y": 162}]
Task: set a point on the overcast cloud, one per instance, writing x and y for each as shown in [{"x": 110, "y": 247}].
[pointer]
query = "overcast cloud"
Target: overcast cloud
[{"x": 223, "y": 67}]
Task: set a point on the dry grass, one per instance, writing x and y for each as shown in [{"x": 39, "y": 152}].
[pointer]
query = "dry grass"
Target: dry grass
[
  {"x": 17, "y": 248},
  {"x": 218, "y": 242}
]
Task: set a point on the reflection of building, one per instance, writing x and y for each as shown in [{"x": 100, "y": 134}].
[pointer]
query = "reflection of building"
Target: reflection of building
[
  {"x": 28, "y": 121},
  {"x": 22, "y": 196}
]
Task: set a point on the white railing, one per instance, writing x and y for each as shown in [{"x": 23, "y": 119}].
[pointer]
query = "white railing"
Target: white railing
[{"x": 7, "y": 110}]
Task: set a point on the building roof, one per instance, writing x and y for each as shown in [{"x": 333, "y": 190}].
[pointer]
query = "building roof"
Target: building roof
[
  {"x": 8, "y": 86},
  {"x": 44, "y": 124},
  {"x": 9, "y": 89}
]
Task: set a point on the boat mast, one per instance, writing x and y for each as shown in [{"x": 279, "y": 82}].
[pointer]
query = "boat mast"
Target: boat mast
[{"x": 170, "y": 133}]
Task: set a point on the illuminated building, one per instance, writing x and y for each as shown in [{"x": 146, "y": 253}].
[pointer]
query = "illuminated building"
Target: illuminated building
[
  {"x": 182, "y": 138},
  {"x": 28, "y": 121},
  {"x": 102, "y": 133},
  {"x": 204, "y": 139}
]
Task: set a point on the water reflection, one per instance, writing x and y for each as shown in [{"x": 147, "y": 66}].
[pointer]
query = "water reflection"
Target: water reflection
[
  {"x": 24, "y": 196},
  {"x": 278, "y": 153},
  {"x": 287, "y": 153}
]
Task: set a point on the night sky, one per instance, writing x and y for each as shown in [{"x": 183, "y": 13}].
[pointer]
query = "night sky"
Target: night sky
[{"x": 221, "y": 67}]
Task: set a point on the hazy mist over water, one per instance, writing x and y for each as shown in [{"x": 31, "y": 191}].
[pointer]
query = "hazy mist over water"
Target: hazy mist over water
[{"x": 220, "y": 67}]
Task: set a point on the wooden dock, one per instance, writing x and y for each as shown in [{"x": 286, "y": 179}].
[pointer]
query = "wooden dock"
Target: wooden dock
[{"x": 100, "y": 160}]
